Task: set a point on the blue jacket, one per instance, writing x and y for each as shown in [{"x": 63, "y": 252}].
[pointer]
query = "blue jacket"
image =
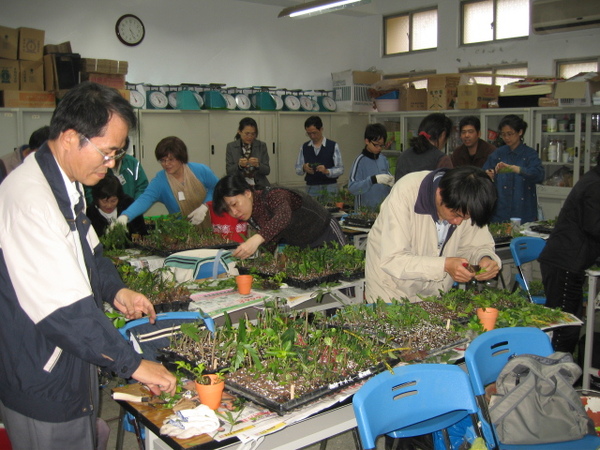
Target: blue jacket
[
  {"x": 361, "y": 184},
  {"x": 159, "y": 191},
  {"x": 517, "y": 195},
  {"x": 53, "y": 329}
]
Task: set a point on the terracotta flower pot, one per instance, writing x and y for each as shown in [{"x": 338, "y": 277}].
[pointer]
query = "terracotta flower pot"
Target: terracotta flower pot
[
  {"x": 487, "y": 317},
  {"x": 210, "y": 394},
  {"x": 340, "y": 205},
  {"x": 244, "y": 283}
]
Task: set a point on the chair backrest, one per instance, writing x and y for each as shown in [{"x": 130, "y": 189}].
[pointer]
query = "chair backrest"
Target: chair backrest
[
  {"x": 414, "y": 400},
  {"x": 525, "y": 249},
  {"x": 487, "y": 354}
]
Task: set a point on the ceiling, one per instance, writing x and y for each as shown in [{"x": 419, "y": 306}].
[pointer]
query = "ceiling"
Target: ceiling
[{"x": 358, "y": 11}]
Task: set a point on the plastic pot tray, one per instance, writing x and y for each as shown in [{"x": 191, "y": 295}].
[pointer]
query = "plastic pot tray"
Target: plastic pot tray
[{"x": 285, "y": 407}]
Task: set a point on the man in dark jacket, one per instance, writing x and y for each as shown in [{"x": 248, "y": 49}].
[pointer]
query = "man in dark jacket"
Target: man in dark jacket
[
  {"x": 54, "y": 281},
  {"x": 573, "y": 247}
]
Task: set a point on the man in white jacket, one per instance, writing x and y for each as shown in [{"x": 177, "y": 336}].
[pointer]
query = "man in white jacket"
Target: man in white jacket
[{"x": 431, "y": 227}]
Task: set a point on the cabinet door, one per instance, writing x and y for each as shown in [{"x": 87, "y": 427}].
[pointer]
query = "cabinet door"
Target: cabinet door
[
  {"x": 192, "y": 127},
  {"x": 33, "y": 119},
  {"x": 9, "y": 130},
  {"x": 291, "y": 136},
  {"x": 348, "y": 130}
]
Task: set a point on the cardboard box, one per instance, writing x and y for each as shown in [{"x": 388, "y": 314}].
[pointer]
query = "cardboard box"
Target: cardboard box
[
  {"x": 110, "y": 66},
  {"x": 31, "y": 74},
  {"x": 412, "y": 99},
  {"x": 28, "y": 99},
  {"x": 441, "y": 98},
  {"x": 443, "y": 80},
  {"x": 31, "y": 44},
  {"x": 63, "y": 47},
  {"x": 9, "y": 42},
  {"x": 9, "y": 74},
  {"x": 112, "y": 80},
  {"x": 475, "y": 96},
  {"x": 547, "y": 102},
  {"x": 61, "y": 71},
  {"x": 350, "y": 89},
  {"x": 578, "y": 92}
]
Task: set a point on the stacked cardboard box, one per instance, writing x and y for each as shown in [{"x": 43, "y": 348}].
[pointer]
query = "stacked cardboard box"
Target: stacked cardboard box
[
  {"x": 441, "y": 91},
  {"x": 22, "y": 68},
  {"x": 104, "y": 71},
  {"x": 475, "y": 96}
]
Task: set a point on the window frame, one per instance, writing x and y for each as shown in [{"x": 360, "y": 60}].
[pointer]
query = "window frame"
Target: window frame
[
  {"x": 494, "y": 19},
  {"x": 410, "y": 15},
  {"x": 566, "y": 61}
]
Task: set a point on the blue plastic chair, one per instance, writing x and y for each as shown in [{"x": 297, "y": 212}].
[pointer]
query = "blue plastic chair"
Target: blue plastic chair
[
  {"x": 525, "y": 249},
  {"x": 414, "y": 400},
  {"x": 485, "y": 357},
  {"x": 164, "y": 321}
]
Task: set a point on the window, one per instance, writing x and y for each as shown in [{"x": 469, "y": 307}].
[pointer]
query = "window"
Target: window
[
  {"x": 410, "y": 32},
  {"x": 495, "y": 74},
  {"x": 568, "y": 69},
  {"x": 507, "y": 19}
]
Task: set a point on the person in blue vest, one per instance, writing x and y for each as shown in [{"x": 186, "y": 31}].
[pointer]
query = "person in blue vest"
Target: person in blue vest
[{"x": 319, "y": 160}]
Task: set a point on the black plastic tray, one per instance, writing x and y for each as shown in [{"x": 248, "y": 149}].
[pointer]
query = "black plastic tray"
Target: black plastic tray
[
  {"x": 541, "y": 229},
  {"x": 356, "y": 222}
]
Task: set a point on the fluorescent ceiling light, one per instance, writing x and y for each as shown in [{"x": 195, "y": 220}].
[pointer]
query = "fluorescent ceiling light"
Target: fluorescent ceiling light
[{"x": 319, "y": 7}]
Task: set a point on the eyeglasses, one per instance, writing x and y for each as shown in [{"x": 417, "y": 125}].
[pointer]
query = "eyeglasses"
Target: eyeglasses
[
  {"x": 248, "y": 134},
  {"x": 164, "y": 161},
  {"x": 508, "y": 134},
  {"x": 377, "y": 145},
  {"x": 118, "y": 153}
]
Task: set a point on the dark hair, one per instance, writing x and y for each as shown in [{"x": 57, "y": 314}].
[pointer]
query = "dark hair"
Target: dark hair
[
  {"x": 228, "y": 186},
  {"x": 171, "y": 145},
  {"x": 375, "y": 131},
  {"x": 87, "y": 108},
  {"x": 246, "y": 122},
  {"x": 434, "y": 125},
  {"x": 470, "y": 120},
  {"x": 109, "y": 186},
  {"x": 38, "y": 137},
  {"x": 313, "y": 121},
  {"x": 470, "y": 190},
  {"x": 515, "y": 122}
]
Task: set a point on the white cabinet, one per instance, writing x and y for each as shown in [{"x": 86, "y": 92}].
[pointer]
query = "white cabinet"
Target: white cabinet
[
  {"x": 568, "y": 142},
  {"x": 17, "y": 124}
]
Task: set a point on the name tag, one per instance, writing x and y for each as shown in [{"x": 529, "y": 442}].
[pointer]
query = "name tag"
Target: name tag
[
  {"x": 181, "y": 196},
  {"x": 122, "y": 179}
]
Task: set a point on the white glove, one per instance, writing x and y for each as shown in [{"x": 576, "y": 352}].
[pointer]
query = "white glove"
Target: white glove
[
  {"x": 123, "y": 220},
  {"x": 190, "y": 422},
  {"x": 198, "y": 215},
  {"x": 385, "y": 178}
]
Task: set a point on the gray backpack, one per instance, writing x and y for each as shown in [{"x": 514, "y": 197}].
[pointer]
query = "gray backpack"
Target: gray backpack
[{"x": 536, "y": 402}]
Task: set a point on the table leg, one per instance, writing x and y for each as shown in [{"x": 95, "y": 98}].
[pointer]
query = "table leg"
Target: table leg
[{"x": 589, "y": 331}]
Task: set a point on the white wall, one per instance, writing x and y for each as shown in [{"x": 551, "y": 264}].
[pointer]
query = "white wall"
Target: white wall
[{"x": 244, "y": 44}]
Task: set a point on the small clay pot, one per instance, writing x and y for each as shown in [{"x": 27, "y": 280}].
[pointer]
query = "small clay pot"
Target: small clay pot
[
  {"x": 487, "y": 317},
  {"x": 210, "y": 394},
  {"x": 244, "y": 283}
]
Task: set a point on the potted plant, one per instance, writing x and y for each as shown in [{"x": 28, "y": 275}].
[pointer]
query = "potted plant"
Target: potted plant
[{"x": 209, "y": 386}]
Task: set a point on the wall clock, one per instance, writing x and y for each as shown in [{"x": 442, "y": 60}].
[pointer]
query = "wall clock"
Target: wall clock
[{"x": 130, "y": 30}]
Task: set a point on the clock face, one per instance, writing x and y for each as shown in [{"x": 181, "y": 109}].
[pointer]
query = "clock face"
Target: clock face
[
  {"x": 242, "y": 101},
  {"x": 329, "y": 103},
  {"x": 291, "y": 102},
  {"x": 230, "y": 101},
  {"x": 158, "y": 100},
  {"x": 278, "y": 102},
  {"x": 130, "y": 29},
  {"x": 172, "y": 97},
  {"x": 199, "y": 99},
  {"x": 136, "y": 99},
  {"x": 306, "y": 103}
]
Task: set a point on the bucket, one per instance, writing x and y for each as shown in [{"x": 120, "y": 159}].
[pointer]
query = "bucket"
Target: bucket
[{"x": 387, "y": 105}]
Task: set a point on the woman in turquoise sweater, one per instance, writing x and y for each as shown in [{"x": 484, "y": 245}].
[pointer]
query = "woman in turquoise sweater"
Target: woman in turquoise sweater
[{"x": 183, "y": 187}]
